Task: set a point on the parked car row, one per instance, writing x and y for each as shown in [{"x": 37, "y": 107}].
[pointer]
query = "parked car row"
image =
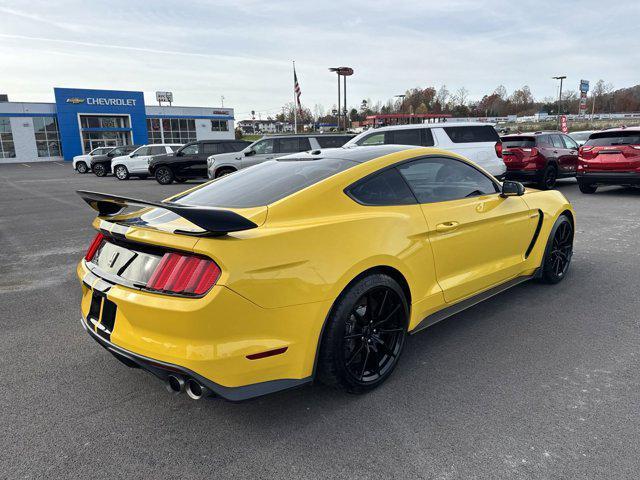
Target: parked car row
[{"x": 606, "y": 157}]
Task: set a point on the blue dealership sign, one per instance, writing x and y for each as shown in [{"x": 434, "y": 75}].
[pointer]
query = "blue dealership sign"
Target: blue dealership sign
[{"x": 72, "y": 103}]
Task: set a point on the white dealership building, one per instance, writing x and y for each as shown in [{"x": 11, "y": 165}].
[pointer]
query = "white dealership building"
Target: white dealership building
[{"x": 81, "y": 120}]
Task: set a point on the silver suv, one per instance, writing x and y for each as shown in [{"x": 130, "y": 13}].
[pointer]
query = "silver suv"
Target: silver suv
[{"x": 268, "y": 148}]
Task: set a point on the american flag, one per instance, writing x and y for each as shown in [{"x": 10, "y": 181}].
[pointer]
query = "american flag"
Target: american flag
[{"x": 296, "y": 89}]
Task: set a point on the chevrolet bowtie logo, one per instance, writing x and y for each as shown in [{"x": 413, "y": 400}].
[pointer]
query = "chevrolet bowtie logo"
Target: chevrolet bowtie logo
[{"x": 75, "y": 100}]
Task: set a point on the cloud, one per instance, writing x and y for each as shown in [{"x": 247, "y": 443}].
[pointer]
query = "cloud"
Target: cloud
[{"x": 243, "y": 50}]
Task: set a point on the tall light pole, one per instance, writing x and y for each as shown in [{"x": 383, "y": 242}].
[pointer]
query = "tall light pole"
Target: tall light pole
[
  {"x": 561, "y": 78},
  {"x": 345, "y": 72},
  {"x": 401, "y": 97}
]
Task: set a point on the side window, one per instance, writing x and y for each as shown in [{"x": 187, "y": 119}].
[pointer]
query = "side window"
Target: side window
[
  {"x": 304, "y": 144},
  {"x": 143, "y": 151},
  {"x": 569, "y": 142},
  {"x": 264, "y": 147},
  {"x": 174, "y": 148},
  {"x": 287, "y": 145},
  {"x": 410, "y": 136},
  {"x": 440, "y": 179},
  {"x": 557, "y": 141},
  {"x": 211, "y": 148},
  {"x": 332, "y": 141},
  {"x": 373, "y": 139},
  {"x": 191, "y": 150},
  {"x": 157, "y": 150},
  {"x": 472, "y": 134},
  {"x": 427, "y": 137},
  {"x": 385, "y": 188}
]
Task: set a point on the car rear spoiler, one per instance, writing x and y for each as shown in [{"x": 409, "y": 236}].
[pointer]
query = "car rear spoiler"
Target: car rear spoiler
[{"x": 215, "y": 221}]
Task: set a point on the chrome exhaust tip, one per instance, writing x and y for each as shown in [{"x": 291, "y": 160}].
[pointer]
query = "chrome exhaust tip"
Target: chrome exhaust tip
[
  {"x": 175, "y": 384},
  {"x": 195, "y": 390}
]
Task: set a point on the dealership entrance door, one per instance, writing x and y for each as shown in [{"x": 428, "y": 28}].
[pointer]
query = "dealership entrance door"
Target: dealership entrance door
[{"x": 105, "y": 131}]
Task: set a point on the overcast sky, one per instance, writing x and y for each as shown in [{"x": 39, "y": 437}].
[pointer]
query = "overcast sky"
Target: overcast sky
[{"x": 243, "y": 49}]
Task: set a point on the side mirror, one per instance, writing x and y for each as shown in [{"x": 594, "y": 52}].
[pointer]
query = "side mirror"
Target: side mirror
[
  {"x": 248, "y": 153},
  {"x": 512, "y": 189}
]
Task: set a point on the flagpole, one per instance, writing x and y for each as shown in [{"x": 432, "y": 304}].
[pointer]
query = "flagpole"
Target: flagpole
[{"x": 295, "y": 105}]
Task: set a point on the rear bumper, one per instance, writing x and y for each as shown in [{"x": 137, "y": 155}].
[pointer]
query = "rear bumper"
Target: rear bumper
[
  {"x": 208, "y": 339},
  {"x": 162, "y": 370},
  {"x": 609, "y": 178}
]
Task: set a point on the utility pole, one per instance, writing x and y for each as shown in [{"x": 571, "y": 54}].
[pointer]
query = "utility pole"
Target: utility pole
[
  {"x": 561, "y": 78},
  {"x": 222, "y": 100}
]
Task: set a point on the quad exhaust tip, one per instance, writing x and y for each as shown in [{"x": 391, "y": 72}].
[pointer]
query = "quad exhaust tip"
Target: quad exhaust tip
[
  {"x": 175, "y": 384},
  {"x": 195, "y": 390}
]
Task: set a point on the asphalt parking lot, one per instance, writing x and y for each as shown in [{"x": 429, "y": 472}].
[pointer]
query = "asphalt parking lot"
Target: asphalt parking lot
[{"x": 538, "y": 382}]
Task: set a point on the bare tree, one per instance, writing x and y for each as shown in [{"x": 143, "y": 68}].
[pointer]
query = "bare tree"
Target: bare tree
[{"x": 461, "y": 96}]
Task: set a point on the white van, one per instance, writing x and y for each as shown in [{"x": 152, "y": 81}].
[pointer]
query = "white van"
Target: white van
[
  {"x": 478, "y": 142},
  {"x": 136, "y": 164}
]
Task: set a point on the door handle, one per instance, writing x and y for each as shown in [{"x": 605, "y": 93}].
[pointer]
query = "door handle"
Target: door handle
[
  {"x": 555, "y": 151},
  {"x": 446, "y": 227}
]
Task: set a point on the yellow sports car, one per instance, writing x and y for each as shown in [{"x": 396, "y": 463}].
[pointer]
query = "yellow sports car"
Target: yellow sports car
[{"x": 311, "y": 266}]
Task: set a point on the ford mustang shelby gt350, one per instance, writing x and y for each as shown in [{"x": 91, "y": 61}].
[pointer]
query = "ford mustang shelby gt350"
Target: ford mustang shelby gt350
[{"x": 311, "y": 266}]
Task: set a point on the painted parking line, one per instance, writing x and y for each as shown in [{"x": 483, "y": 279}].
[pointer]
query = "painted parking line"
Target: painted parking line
[
  {"x": 26, "y": 165},
  {"x": 58, "y": 163}
]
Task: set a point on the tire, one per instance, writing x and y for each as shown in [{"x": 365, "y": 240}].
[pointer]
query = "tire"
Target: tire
[
  {"x": 587, "y": 188},
  {"x": 221, "y": 172},
  {"x": 549, "y": 178},
  {"x": 558, "y": 253},
  {"x": 355, "y": 356},
  {"x": 81, "y": 167},
  {"x": 121, "y": 172},
  {"x": 100, "y": 170},
  {"x": 164, "y": 175}
]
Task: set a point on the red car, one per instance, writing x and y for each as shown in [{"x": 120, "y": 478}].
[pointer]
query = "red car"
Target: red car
[
  {"x": 540, "y": 157},
  {"x": 610, "y": 157}
]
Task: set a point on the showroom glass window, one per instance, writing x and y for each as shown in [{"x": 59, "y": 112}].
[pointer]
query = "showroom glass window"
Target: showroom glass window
[
  {"x": 47, "y": 137},
  {"x": 179, "y": 130},
  {"x": 153, "y": 130},
  {"x": 7, "y": 148},
  {"x": 219, "y": 126}
]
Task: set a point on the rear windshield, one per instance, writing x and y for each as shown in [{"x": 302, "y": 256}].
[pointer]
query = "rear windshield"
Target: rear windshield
[
  {"x": 264, "y": 183},
  {"x": 580, "y": 136},
  {"x": 333, "y": 141},
  {"x": 606, "y": 139},
  {"x": 472, "y": 134},
  {"x": 518, "y": 142}
]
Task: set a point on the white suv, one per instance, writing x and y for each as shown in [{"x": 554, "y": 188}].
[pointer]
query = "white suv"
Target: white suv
[
  {"x": 136, "y": 164},
  {"x": 478, "y": 142},
  {"x": 81, "y": 162}
]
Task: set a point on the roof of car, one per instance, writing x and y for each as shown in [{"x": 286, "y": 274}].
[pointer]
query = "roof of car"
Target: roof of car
[
  {"x": 354, "y": 154},
  {"x": 431, "y": 125}
]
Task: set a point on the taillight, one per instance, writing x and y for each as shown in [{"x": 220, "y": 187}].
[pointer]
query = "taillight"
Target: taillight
[
  {"x": 180, "y": 273},
  {"x": 584, "y": 148},
  {"x": 93, "y": 248},
  {"x": 533, "y": 151},
  {"x": 499, "y": 149}
]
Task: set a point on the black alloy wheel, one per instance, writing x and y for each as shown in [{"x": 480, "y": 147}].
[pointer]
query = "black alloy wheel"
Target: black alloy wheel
[
  {"x": 373, "y": 335},
  {"x": 559, "y": 251},
  {"x": 81, "y": 167},
  {"x": 100, "y": 170},
  {"x": 164, "y": 175},
  {"x": 365, "y": 335},
  {"x": 549, "y": 178},
  {"x": 121, "y": 172}
]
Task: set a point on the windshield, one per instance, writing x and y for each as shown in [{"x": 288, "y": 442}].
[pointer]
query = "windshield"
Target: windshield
[
  {"x": 607, "y": 139},
  {"x": 264, "y": 183}
]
